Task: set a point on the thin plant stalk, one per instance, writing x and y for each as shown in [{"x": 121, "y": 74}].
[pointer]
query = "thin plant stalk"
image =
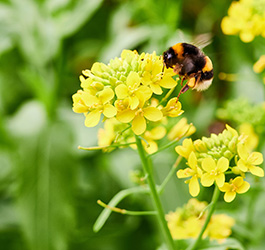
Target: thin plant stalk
[
  {"x": 154, "y": 194},
  {"x": 211, "y": 207}
]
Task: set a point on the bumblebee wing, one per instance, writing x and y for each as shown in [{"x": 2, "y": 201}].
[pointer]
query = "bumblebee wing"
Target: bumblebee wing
[{"x": 202, "y": 40}]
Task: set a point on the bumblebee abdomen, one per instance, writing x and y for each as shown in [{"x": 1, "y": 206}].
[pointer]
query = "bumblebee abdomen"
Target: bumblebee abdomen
[{"x": 207, "y": 75}]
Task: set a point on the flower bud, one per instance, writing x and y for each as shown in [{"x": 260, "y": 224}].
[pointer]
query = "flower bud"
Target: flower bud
[{"x": 200, "y": 146}]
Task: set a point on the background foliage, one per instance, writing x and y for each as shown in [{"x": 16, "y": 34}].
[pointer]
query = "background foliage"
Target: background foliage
[{"x": 48, "y": 188}]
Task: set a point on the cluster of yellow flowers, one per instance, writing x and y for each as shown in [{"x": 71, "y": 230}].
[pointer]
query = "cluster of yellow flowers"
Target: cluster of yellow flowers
[
  {"x": 209, "y": 160},
  {"x": 186, "y": 222},
  {"x": 127, "y": 89},
  {"x": 246, "y": 18}
]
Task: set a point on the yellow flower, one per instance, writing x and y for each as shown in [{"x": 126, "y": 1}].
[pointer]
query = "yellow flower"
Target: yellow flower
[
  {"x": 133, "y": 90},
  {"x": 151, "y": 136},
  {"x": 89, "y": 85},
  {"x": 186, "y": 148},
  {"x": 186, "y": 222},
  {"x": 183, "y": 228},
  {"x": 107, "y": 135},
  {"x": 245, "y": 18},
  {"x": 182, "y": 128},
  {"x": 173, "y": 108},
  {"x": 94, "y": 105},
  {"x": 220, "y": 226},
  {"x": 238, "y": 185},
  {"x": 214, "y": 172},
  {"x": 138, "y": 117},
  {"x": 156, "y": 78},
  {"x": 194, "y": 172},
  {"x": 248, "y": 162},
  {"x": 252, "y": 138}
]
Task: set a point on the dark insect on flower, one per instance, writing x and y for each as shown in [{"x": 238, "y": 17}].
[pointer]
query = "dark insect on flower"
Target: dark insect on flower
[{"x": 190, "y": 63}]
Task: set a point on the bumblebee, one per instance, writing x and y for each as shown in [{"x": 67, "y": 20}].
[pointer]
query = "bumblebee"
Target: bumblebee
[{"x": 190, "y": 63}]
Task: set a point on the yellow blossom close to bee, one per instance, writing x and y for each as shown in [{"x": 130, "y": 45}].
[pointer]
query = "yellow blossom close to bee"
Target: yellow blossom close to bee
[{"x": 124, "y": 88}]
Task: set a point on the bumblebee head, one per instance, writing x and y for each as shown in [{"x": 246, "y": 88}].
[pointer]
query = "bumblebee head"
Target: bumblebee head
[{"x": 169, "y": 58}]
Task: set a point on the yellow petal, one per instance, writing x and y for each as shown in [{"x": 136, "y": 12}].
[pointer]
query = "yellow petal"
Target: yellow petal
[
  {"x": 242, "y": 151},
  {"x": 157, "y": 69},
  {"x": 243, "y": 188},
  {"x": 156, "y": 88},
  {"x": 184, "y": 173},
  {"x": 207, "y": 180},
  {"x": 121, "y": 91},
  {"x": 134, "y": 102},
  {"x": 168, "y": 82},
  {"x": 125, "y": 116},
  {"x": 256, "y": 171},
  {"x": 106, "y": 95},
  {"x": 151, "y": 147},
  {"x": 255, "y": 158},
  {"x": 230, "y": 129},
  {"x": 220, "y": 180},
  {"x": 80, "y": 108},
  {"x": 238, "y": 181},
  {"x": 192, "y": 160},
  {"x": 133, "y": 79},
  {"x": 144, "y": 93},
  {"x": 194, "y": 187},
  {"x": 109, "y": 110},
  {"x": 186, "y": 149},
  {"x": 229, "y": 196},
  {"x": 89, "y": 99},
  {"x": 242, "y": 166},
  {"x": 146, "y": 78},
  {"x": 158, "y": 133},
  {"x": 225, "y": 187},
  {"x": 152, "y": 114},
  {"x": 92, "y": 119},
  {"x": 208, "y": 164},
  {"x": 138, "y": 125},
  {"x": 222, "y": 164}
]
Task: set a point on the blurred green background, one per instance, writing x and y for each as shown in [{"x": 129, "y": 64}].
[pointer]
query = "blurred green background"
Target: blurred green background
[{"x": 49, "y": 188}]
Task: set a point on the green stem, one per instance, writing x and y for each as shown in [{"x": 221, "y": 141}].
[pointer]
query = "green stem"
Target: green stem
[
  {"x": 170, "y": 174},
  {"x": 211, "y": 207},
  {"x": 171, "y": 143},
  {"x": 167, "y": 95},
  {"x": 105, "y": 147},
  {"x": 164, "y": 147},
  {"x": 124, "y": 211},
  {"x": 154, "y": 194}
]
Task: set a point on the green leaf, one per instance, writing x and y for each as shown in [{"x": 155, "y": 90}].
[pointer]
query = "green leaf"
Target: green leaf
[{"x": 45, "y": 175}]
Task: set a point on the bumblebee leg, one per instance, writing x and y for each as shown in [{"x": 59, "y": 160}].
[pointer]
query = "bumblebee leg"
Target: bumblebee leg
[
  {"x": 183, "y": 90},
  {"x": 198, "y": 79}
]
